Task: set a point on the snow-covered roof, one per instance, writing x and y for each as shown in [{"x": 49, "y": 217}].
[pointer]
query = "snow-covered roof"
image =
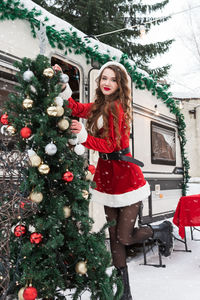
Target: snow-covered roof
[{"x": 186, "y": 95}]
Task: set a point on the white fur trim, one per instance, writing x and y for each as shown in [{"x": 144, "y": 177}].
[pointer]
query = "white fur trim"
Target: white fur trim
[
  {"x": 110, "y": 63},
  {"x": 121, "y": 200},
  {"x": 66, "y": 94},
  {"x": 82, "y": 135}
]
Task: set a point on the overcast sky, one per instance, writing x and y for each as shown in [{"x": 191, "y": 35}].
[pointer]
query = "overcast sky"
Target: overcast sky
[{"x": 184, "y": 27}]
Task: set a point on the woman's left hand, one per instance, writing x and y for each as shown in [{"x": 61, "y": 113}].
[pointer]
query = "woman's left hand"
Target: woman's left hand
[{"x": 75, "y": 126}]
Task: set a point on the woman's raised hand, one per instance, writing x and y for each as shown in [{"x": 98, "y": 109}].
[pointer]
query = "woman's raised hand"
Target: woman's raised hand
[
  {"x": 57, "y": 68},
  {"x": 75, "y": 126}
]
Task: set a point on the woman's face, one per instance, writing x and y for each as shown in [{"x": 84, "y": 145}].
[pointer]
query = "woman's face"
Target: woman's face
[{"x": 108, "y": 83}]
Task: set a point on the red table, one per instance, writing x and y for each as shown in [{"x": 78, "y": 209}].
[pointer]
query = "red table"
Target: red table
[{"x": 187, "y": 213}]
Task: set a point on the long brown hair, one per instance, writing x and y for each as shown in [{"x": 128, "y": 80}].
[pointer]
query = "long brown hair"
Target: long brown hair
[{"x": 105, "y": 105}]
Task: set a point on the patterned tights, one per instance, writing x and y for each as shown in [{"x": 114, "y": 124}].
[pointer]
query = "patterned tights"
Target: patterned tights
[{"x": 123, "y": 232}]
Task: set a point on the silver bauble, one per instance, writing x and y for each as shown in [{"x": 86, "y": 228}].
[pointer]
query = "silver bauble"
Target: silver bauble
[
  {"x": 51, "y": 149},
  {"x": 4, "y": 129},
  {"x": 64, "y": 78}
]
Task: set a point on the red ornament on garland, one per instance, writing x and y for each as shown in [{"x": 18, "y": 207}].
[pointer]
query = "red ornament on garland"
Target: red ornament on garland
[
  {"x": 35, "y": 238},
  {"x": 25, "y": 132},
  {"x": 19, "y": 230},
  {"x": 92, "y": 169},
  {"x": 30, "y": 293},
  {"x": 4, "y": 119},
  {"x": 68, "y": 176}
]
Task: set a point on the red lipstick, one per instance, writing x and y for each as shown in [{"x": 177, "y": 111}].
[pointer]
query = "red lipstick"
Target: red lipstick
[{"x": 106, "y": 89}]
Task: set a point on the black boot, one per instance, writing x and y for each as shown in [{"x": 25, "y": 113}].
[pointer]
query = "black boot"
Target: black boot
[
  {"x": 123, "y": 273},
  {"x": 163, "y": 234}
]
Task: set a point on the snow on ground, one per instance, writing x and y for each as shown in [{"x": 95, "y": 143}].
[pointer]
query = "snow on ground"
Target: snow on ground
[{"x": 180, "y": 279}]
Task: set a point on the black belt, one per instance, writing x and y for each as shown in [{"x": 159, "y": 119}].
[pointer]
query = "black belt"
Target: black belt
[{"x": 119, "y": 155}]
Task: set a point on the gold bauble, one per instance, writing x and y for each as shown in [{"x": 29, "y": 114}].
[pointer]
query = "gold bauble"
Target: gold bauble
[
  {"x": 20, "y": 293},
  {"x": 35, "y": 160},
  {"x": 11, "y": 130},
  {"x": 52, "y": 111},
  {"x": 48, "y": 72},
  {"x": 88, "y": 175},
  {"x": 27, "y": 103},
  {"x": 67, "y": 211},
  {"x": 36, "y": 197},
  {"x": 60, "y": 111},
  {"x": 81, "y": 267},
  {"x": 85, "y": 194},
  {"x": 63, "y": 124},
  {"x": 43, "y": 169}
]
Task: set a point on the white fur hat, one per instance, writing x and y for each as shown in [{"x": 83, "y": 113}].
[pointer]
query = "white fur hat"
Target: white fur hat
[{"x": 110, "y": 63}]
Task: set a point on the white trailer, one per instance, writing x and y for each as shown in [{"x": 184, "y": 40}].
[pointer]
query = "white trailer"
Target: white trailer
[{"x": 155, "y": 137}]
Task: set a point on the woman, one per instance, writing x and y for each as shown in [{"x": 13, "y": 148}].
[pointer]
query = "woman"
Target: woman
[{"x": 120, "y": 184}]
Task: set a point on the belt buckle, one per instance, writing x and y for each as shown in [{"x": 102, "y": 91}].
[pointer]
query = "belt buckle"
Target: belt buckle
[{"x": 104, "y": 156}]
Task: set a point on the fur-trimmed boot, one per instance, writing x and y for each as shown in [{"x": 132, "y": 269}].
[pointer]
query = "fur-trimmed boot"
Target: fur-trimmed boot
[
  {"x": 123, "y": 273},
  {"x": 163, "y": 234}
]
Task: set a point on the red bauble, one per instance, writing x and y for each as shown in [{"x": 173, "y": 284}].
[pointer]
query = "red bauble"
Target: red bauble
[
  {"x": 4, "y": 119},
  {"x": 92, "y": 169},
  {"x": 35, "y": 238},
  {"x": 30, "y": 293},
  {"x": 25, "y": 132},
  {"x": 19, "y": 230},
  {"x": 68, "y": 176}
]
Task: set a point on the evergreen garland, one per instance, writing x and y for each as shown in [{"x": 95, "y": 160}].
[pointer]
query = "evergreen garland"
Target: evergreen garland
[{"x": 70, "y": 41}]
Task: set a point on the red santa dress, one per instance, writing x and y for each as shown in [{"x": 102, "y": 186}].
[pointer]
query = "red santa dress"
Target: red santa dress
[{"x": 118, "y": 183}]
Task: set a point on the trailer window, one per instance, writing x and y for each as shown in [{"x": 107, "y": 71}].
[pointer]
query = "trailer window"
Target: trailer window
[
  {"x": 163, "y": 144},
  {"x": 73, "y": 73}
]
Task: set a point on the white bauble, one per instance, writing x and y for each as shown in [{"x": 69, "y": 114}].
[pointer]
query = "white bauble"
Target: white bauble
[
  {"x": 59, "y": 101},
  {"x": 31, "y": 152},
  {"x": 31, "y": 228},
  {"x": 73, "y": 141},
  {"x": 64, "y": 78},
  {"x": 51, "y": 149},
  {"x": 79, "y": 149},
  {"x": 27, "y": 76},
  {"x": 3, "y": 129},
  {"x": 20, "y": 293}
]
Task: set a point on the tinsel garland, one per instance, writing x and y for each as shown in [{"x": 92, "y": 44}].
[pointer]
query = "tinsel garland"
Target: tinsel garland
[{"x": 70, "y": 41}]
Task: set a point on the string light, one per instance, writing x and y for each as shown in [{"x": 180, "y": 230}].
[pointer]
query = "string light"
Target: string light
[{"x": 148, "y": 22}]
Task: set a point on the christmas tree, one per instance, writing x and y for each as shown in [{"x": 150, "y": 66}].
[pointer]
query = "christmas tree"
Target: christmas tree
[
  {"x": 53, "y": 249},
  {"x": 103, "y": 16}
]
